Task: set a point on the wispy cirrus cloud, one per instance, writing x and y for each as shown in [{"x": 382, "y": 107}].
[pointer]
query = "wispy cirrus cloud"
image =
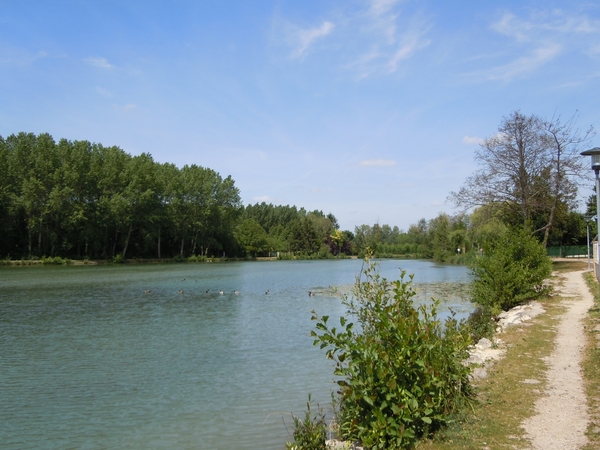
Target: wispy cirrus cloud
[
  {"x": 104, "y": 92},
  {"x": 541, "y": 38},
  {"x": 124, "y": 108},
  {"x": 393, "y": 36},
  {"x": 379, "y": 7},
  {"x": 307, "y": 37},
  {"x": 471, "y": 140},
  {"x": 18, "y": 57},
  {"x": 378, "y": 163},
  {"x": 551, "y": 22},
  {"x": 374, "y": 39},
  {"x": 263, "y": 198},
  {"x": 412, "y": 44},
  {"x": 97, "y": 61},
  {"x": 525, "y": 64}
]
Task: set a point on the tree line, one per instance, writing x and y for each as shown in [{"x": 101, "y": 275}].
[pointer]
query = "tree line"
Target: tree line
[
  {"x": 82, "y": 200},
  {"x": 76, "y": 199}
]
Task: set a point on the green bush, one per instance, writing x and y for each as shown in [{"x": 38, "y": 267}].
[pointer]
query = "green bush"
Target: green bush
[
  {"x": 400, "y": 366},
  {"x": 511, "y": 272},
  {"x": 56, "y": 260},
  {"x": 310, "y": 433},
  {"x": 480, "y": 324},
  {"x": 197, "y": 258}
]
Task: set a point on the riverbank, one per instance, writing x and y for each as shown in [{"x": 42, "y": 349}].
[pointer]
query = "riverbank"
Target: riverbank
[
  {"x": 542, "y": 393},
  {"x": 58, "y": 261}
]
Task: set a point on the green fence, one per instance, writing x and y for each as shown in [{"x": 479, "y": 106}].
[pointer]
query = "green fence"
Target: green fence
[{"x": 572, "y": 251}]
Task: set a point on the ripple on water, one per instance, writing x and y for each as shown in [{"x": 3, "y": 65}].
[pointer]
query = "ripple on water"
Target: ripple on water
[{"x": 88, "y": 359}]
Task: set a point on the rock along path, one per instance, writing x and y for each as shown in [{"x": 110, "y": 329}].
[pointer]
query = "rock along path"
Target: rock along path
[{"x": 561, "y": 417}]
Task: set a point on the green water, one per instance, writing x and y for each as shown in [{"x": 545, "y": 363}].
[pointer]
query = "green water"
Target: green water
[{"x": 89, "y": 360}]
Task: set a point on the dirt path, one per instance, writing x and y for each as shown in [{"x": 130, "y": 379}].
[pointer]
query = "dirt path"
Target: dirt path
[{"x": 561, "y": 417}]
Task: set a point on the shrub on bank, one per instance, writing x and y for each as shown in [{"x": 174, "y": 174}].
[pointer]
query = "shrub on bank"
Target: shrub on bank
[
  {"x": 511, "y": 272},
  {"x": 56, "y": 260},
  {"x": 400, "y": 367},
  {"x": 310, "y": 433}
]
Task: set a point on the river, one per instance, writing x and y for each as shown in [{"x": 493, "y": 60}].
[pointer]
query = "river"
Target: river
[{"x": 89, "y": 359}]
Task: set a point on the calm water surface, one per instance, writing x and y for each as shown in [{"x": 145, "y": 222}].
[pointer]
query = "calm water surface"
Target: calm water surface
[{"x": 89, "y": 360}]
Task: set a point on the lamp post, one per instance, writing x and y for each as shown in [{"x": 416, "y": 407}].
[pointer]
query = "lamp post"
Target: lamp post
[
  {"x": 595, "y": 154},
  {"x": 587, "y": 219}
]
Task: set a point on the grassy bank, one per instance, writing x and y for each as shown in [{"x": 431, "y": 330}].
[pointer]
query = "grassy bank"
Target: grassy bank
[
  {"x": 508, "y": 395},
  {"x": 591, "y": 366}
]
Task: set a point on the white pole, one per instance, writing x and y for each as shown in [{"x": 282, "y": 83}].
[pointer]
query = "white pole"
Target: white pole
[
  {"x": 588, "y": 243},
  {"x": 597, "y": 221}
]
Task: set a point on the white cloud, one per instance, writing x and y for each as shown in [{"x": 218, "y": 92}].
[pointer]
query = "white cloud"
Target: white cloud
[
  {"x": 375, "y": 39},
  {"x": 306, "y": 38},
  {"x": 525, "y": 64},
  {"x": 470, "y": 140},
  {"x": 263, "y": 198},
  {"x": 99, "y": 62},
  {"x": 104, "y": 92},
  {"x": 18, "y": 57},
  {"x": 393, "y": 38},
  {"x": 541, "y": 37},
  {"x": 552, "y": 22},
  {"x": 509, "y": 25},
  {"x": 127, "y": 107},
  {"x": 405, "y": 51},
  {"x": 379, "y": 7},
  {"x": 594, "y": 50},
  {"x": 378, "y": 163}
]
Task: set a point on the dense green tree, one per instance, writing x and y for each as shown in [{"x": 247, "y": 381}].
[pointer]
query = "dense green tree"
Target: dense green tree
[
  {"x": 251, "y": 236},
  {"x": 82, "y": 199},
  {"x": 304, "y": 238},
  {"x": 511, "y": 271}
]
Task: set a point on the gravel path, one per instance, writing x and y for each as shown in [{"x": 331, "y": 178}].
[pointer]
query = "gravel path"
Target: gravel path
[{"x": 561, "y": 417}]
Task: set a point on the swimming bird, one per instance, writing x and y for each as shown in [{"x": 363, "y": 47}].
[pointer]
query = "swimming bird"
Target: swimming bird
[
  {"x": 236, "y": 292},
  {"x": 180, "y": 291},
  {"x": 221, "y": 292},
  {"x": 267, "y": 293},
  {"x": 147, "y": 291},
  {"x": 311, "y": 294},
  {"x": 207, "y": 291}
]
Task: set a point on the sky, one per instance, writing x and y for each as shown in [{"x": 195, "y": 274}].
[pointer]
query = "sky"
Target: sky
[{"x": 367, "y": 109}]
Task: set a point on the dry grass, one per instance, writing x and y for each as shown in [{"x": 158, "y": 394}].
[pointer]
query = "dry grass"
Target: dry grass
[{"x": 591, "y": 366}]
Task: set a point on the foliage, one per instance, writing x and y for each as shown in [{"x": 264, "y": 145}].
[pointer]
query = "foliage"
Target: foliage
[
  {"x": 510, "y": 272},
  {"x": 480, "y": 324},
  {"x": 77, "y": 199},
  {"x": 251, "y": 236},
  {"x": 197, "y": 258},
  {"x": 400, "y": 366},
  {"x": 528, "y": 170},
  {"x": 310, "y": 433},
  {"x": 57, "y": 260}
]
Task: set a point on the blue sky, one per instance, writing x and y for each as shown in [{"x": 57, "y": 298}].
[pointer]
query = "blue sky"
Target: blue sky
[{"x": 368, "y": 109}]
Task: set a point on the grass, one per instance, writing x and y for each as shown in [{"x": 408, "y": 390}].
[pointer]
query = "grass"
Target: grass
[
  {"x": 508, "y": 395},
  {"x": 591, "y": 368}
]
